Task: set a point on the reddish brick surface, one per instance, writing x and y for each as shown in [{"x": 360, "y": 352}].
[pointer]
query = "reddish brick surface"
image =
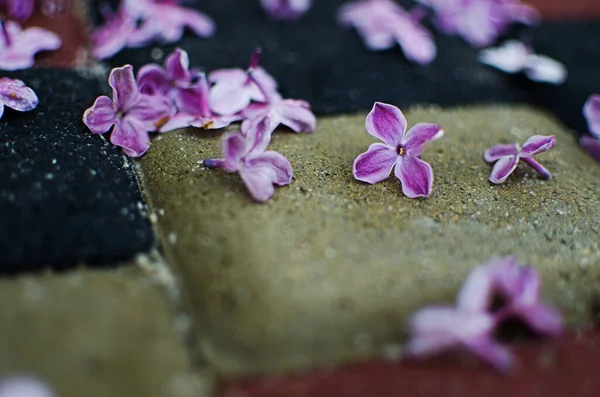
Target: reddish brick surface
[
  {"x": 567, "y": 9},
  {"x": 566, "y": 367}
]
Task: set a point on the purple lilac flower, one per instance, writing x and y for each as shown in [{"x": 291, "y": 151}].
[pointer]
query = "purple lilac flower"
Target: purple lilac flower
[
  {"x": 591, "y": 112},
  {"x": 16, "y": 95},
  {"x": 259, "y": 168},
  {"x": 20, "y": 10},
  {"x": 133, "y": 114},
  {"x": 514, "y": 56},
  {"x": 18, "y": 47},
  {"x": 203, "y": 118},
  {"x": 383, "y": 23},
  {"x": 507, "y": 157},
  {"x": 399, "y": 148},
  {"x": 112, "y": 37},
  {"x": 286, "y": 9},
  {"x": 22, "y": 386},
  {"x": 234, "y": 89},
  {"x": 480, "y": 22}
]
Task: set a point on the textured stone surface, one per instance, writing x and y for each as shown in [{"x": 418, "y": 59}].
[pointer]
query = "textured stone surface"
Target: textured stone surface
[
  {"x": 94, "y": 334},
  {"x": 330, "y": 269}
]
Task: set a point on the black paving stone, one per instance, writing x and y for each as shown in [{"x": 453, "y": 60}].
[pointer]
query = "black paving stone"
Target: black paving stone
[
  {"x": 66, "y": 196},
  {"x": 316, "y": 60}
]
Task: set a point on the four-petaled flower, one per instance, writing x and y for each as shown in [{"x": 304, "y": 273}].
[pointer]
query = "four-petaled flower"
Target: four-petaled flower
[
  {"x": 133, "y": 114},
  {"x": 399, "y": 148},
  {"x": 286, "y": 9},
  {"x": 514, "y": 56},
  {"x": 591, "y": 112},
  {"x": 471, "y": 324},
  {"x": 383, "y": 23},
  {"x": 507, "y": 157},
  {"x": 18, "y": 47},
  {"x": 259, "y": 168},
  {"x": 16, "y": 95}
]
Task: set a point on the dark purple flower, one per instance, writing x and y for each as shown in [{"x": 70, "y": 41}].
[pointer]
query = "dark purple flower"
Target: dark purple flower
[
  {"x": 133, "y": 114},
  {"x": 507, "y": 157},
  {"x": 514, "y": 56},
  {"x": 234, "y": 89},
  {"x": 286, "y": 9},
  {"x": 16, "y": 95},
  {"x": 18, "y": 47},
  {"x": 22, "y": 386},
  {"x": 112, "y": 37},
  {"x": 383, "y": 23},
  {"x": 20, "y": 10},
  {"x": 259, "y": 168},
  {"x": 399, "y": 148},
  {"x": 591, "y": 112}
]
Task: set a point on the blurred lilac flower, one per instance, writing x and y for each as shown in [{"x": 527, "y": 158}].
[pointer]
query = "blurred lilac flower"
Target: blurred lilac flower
[
  {"x": 286, "y": 9},
  {"x": 234, "y": 89},
  {"x": 383, "y": 23},
  {"x": 22, "y": 386},
  {"x": 18, "y": 47},
  {"x": 133, "y": 114},
  {"x": 16, "y": 95},
  {"x": 507, "y": 157},
  {"x": 480, "y": 22},
  {"x": 436, "y": 329},
  {"x": 259, "y": 169},
  {"x": 112, "y": 37},
  {"x": 514, "y": 56},
  {"x": 203, "y": 118},
  {"x": 518, "y": 287},
  {"x": 591, "y": 112},
  {"x": 20, "y": 10},
  {"x": 399, "y": 148}
]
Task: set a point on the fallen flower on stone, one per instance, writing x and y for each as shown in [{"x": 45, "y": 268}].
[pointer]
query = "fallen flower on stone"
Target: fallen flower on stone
[
  {"x": 22, "y": 386},
  {"x": 507, "y": 157},
  {"x": 16, "y": 95},
  {"x": 479, "y": 22},
  {"x": 18, "y": 47},
  {"x": 234, "y": 89},
  {"x": 259, "y": 168},
  {"x": 133, "y": 114},
  {"x": 399, "y": 148},
  {"x": 383, "y": 23},
  {"x": 591, "y": 112},
  {"x": 112, "y": 37},
  {"x": 285, "y": 9},
  {"x": 514, "y": 56}
]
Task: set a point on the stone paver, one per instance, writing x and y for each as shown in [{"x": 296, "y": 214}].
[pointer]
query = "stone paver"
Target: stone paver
[
  {"x": 331, "y": 268},
  {"x": 95, "y": 334}
]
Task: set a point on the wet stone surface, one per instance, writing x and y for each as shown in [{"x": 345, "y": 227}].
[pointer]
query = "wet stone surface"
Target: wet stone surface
[{"x": 330, "y": 269}]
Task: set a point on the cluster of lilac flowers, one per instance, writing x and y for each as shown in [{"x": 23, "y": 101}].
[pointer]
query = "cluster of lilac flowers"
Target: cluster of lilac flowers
[
  {"x": 472, "y": 322},
  {"x": 138, "y": 23},
  {"x": 18, "y": 46},
  {"x": 16, "y": 95},
  {"x": 591, "y": 112},
  {"x": 171, "y": 97}
]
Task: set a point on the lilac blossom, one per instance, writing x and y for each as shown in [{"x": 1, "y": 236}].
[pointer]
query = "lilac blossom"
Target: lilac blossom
[
  {"x": 234, "y": 89},
  {"x": 400, "y": 149},
  {"x": 20, "y": 10},
  {"x": 18, "y": 47},
  {"x": 507, "y": 157},
  {"x": 591, "y": 112},
  {"x": 480, "y": 22},
  {"x": 259, "y": 168},
  {"x": 22, "y": 386},
  {"x": 16, "y": 95},
  {"x": 383, "y": 23},
  {"x": 133, "y": 114},
  {"x": 112, "y": 37},
  {"x": 514, "y": 56},
  {"x": 286, "y": 9}
]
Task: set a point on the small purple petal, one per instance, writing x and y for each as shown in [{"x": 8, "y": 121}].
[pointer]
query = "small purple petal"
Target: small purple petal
[
  {"x": 537, "y": 167},
  {"x": 259, "y": 182},
  {"x": 258, "y": 133},
  {"x": 112, "y": 37},
  {"x": 152, "y": 80},
  {"x": 416, "y": 176},
  {"x": 36, "y": 39},
  {"x": 375, "y": 164},
  {"x": 16, "y": 95},
  {"x": 234, "y": 147},
  {"x": 280, "y": 165},
  {"x": 537, "y": 144},
  {"x": 24, "y": 45},
  {"x": 416, "y": 42},
  {"x": 125, "y": 90},
  {"x": 296, "y": 114},
  {"x": 591, "y": 145},
  {"x": 177, "y": 65},
  {"x": 180, "y": 120},
  {"x": 387, "y": 123},
  {"x": 542, "y": 319},
  {"x": 499, "y": 151},
  {"x": 227, "y": 99},
  {"x": 131, "y": 135},
  {"x": 591, "y": 111},
  {"x": 101, "y": 116},
  {"x": 421, "y": 134},
  {"x": 476, "y": 292},
  {"x": 152, "y": 110},
  {"x": 503, "y": 168}
]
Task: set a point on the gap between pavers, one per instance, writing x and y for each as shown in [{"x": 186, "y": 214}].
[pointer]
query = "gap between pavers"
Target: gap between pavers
[{"x": 331, "y": 268}]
